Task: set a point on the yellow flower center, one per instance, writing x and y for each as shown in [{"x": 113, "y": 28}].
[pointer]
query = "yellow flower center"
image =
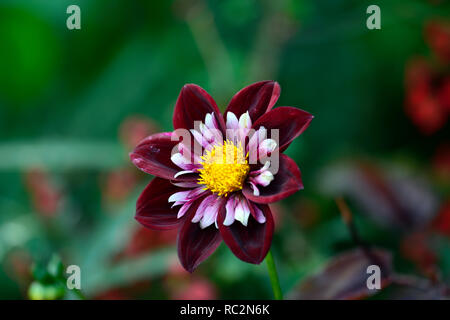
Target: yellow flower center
[{"x": 225, "y": 168}]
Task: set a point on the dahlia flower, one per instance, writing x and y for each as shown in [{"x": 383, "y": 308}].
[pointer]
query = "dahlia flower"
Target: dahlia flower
[{"x": 216, "y": 174}]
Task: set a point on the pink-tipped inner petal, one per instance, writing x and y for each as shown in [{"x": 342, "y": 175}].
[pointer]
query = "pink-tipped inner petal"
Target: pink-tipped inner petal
[
  {"x": 184, "y": 209},
  {"x": 232, "y": 121},
  {"x": 254, "y": 188},
  {"x": 179, "y": 196},
  {"x": 258, "y": 214},
  {"x": 245, "y": 122},
  {"x": 206, "y": 203},
  {"x": 242, "y": 211},
  {"x": 264, "y": 178},
  {"x": 230, "y": 208}
]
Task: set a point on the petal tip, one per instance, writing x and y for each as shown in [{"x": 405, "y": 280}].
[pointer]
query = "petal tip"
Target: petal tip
[
  {"x": 138, "y": 218},
  {"x": 191, "y": 86},
  {"x": 135, "y": 159},
  {"x": 188, "y": 85},
  {"x": 190, "y": 269}
]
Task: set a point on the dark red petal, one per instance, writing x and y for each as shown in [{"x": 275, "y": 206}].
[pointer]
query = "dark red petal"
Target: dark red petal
[
  {"x": 252, "y": 242},
  {"x": 192, "y": 105},
  {"x": 152, "y": 156},
  {"x": 152, "y": 208},
  {"x": 290, "y": 121},
  {"x": 257, "y": 99},
  {"x": 196, "y": 244},
  {"x": 287, "y": 181}
]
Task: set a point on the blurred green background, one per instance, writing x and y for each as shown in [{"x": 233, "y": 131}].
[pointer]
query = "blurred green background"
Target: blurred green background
[{"x": 73, "y": 103}]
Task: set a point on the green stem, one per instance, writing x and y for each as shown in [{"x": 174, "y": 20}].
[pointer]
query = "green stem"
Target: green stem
[{"x": 273, "y": 276}]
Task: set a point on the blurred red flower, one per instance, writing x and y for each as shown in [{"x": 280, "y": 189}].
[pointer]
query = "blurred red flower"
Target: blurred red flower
[
  {"x": 135, "y": 128},
  {"x": 443, "y": 94},
  {"x": 145, "y": 240},
  {"x": 180, "y": 285},
  {"x": 196, "y": 289},
  {"x": 442, "y": 222},
  {"x": 437, "y": 35},
  {"x": 415, "y": 248},
  {"x": 130, "y": 291},
  {"x": 119, "y": 184},
  {"x": 45, "y": 196},
  {"x": 427, "y": 97}
]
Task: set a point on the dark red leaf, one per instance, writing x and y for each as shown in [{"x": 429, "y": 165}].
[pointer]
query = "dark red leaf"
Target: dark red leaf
[{"x": 345, "y": 277}]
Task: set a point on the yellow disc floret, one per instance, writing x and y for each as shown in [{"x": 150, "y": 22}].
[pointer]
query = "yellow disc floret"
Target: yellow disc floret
[{"x": 225, "y": 168}]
